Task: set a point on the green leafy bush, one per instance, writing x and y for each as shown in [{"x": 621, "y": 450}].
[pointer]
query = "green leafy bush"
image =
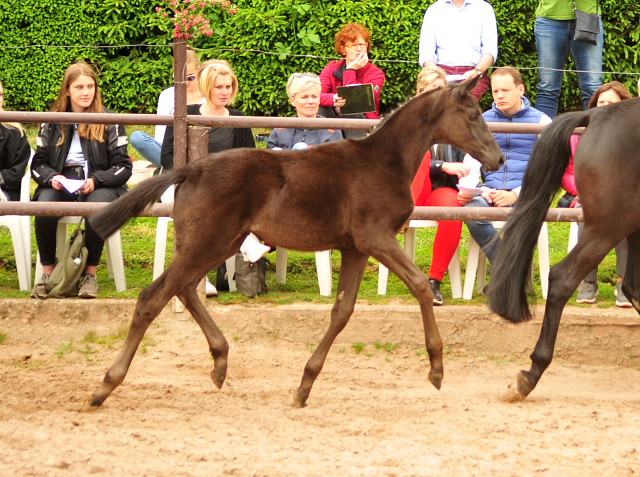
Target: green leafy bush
[{"x": 291, "y": 33}]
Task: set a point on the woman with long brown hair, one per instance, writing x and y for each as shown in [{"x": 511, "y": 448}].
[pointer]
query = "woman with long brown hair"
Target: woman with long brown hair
[{"x": 93, "y": 153}]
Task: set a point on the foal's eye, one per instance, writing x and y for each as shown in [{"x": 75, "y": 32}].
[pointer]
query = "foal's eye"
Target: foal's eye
[{"x": 473, "y": 117}]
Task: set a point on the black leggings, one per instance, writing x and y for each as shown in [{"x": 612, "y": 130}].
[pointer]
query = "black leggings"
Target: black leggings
[{"x": 46, "y": 226}]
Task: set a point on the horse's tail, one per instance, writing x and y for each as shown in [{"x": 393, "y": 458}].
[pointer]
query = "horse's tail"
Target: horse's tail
[
  {"x": 511, "y": 266},
  {"x": 111, "y": 218}
]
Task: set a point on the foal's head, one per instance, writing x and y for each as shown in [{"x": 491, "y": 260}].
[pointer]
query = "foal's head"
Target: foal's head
[{"x": 452, "y": 116}]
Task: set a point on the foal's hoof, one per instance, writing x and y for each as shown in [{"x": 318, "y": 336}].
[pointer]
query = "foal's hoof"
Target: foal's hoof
[
  {"x": 300, "y": 398},
  {"x": 218, "y": 378},
  {"x": 525, "y": 383},
  {"x": 436, "y": 380},
  {"x": 90, "y": 403}
]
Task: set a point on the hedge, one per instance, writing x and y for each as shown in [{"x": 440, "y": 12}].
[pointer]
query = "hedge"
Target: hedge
[{"x": 132, "y": 76}]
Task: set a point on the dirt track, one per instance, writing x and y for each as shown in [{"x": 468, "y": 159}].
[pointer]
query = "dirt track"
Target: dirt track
[{"x": 369, "y": 414}]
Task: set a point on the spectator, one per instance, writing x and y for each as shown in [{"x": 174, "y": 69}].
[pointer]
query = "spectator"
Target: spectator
[
  {"x": 460, "y": 36},
  {"x": 501, "y": 188},
  {"x": 352, "y": 42},
  {"x": 14, "y": 156},
  {"x": 219, "y": 86},
  {"x": 303, "y": 90},
  {"x": 606, "y": 94},
  {"x": 435, "y": 184},
  {"x": 150, "y": 147},
  {"x": 554, "y": 30},
  {"x": 95, "y": 153}
]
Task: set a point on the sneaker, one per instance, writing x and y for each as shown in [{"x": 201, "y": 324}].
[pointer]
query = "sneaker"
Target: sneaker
[
  {"x": 40, "y": 290},
  {"x": 252, "y": 250},
  {"x": 588, "y": 292},
  {"x": 435, "y": 289},
  {"x": 88, "y": 286},
  {"x": 210, "y": 289},
  {"x": 621, "y": 300}
]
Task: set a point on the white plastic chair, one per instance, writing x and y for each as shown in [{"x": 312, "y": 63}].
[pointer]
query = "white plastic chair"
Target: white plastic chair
[
  {"x": 455, "y": 275},
  {"x": 477, "y": 262},
  {"x": 573, "y": 236},
  {"x": 113, "y": 247},
  {"x": 20, "y": 229},
  {"x": 323, "y": 268}
]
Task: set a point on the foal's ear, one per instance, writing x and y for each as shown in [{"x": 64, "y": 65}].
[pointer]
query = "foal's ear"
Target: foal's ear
[{"x": 468, "y": 85}]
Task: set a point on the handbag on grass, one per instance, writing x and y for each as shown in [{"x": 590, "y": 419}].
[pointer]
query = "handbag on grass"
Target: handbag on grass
[
  {"x": 65, "y": 278},
  {"x": 250, "y": 277},
  {"x": 587, "y": 25}
]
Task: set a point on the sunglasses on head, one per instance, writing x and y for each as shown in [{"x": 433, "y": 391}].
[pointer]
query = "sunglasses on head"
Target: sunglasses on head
[{"x": 191, "y": 78}]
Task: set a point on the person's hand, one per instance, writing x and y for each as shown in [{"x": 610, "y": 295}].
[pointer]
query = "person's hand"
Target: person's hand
[
  {"x": 338, "y": 101},
  {"x": 361, "y": 60},
  {"x": 503, "y": 198},
  {"x": 88, "y": 187},
  {"x": 54, "y": 182},
  {"x": 486, "y": 194},
  {"x": 470, "y": 74},
  {"x": 456, "y": 169},
  {"x": 464, "y": 199}
]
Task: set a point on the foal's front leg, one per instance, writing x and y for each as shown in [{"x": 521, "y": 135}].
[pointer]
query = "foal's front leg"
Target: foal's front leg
[
  {"x": 352, "y": 267},
  {"x": 392, "y": 256}
]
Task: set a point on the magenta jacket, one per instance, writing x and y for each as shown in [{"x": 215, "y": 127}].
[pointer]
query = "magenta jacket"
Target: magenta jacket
[
  {"x": 568, "y": 179},
  {"x": 335, "y": 74}
]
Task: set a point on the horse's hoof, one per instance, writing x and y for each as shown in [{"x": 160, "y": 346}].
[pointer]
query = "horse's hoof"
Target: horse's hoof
[
  {"x": 436, "y": 380},
  {"x": 525, "y": 383},
  {"x": 218, "y": 378},
  {"x": 299, "y": 398},
  {"x": 90, "y": 403}
]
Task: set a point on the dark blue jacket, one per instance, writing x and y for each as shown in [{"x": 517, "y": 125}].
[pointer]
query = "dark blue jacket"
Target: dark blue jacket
[
  {"x": 285, "y": 138},
  {"x": 515, "y": 147}
]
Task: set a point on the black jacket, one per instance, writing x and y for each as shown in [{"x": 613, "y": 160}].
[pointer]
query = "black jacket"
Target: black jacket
[
  {"x": 439, "y": 178},
  {"x": 14, "y": 157},
  {"x": 109, "y": 162},
  {"x": 220, "y": 139}
]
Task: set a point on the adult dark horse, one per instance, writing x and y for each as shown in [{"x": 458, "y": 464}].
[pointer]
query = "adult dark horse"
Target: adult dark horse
[
  {"x": 353, "y": 196},
  {"x": 607, "y": 172}
]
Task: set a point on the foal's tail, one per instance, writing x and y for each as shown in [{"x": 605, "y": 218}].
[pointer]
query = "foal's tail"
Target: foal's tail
[
  {"x": 108, "y": 220},
  {"x": 511, "y": 266}
]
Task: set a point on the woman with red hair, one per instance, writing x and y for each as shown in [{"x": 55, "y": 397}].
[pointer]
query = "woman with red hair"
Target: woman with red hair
[{"x": 351, "y": 42}]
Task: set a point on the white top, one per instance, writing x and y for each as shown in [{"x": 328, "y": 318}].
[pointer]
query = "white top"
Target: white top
[
  {"x": 166, "y": 105},
  {"x": 454, "y": 36},
  {"x": 75, "y": 156}
]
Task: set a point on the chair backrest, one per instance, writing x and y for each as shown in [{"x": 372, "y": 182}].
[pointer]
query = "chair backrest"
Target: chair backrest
[{"x": 25, "y": 183}]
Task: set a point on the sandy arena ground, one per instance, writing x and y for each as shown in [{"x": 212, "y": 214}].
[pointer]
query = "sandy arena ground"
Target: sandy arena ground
[{"x": 369, "y": 414}]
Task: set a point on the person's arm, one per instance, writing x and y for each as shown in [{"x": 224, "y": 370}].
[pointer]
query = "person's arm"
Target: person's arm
[
  {"x": 15, "y": 160},
  {"x": 273, "y": 139},
  {"x": 245, "y": 137},
  {"x": 427, "y": 43},
  {"x": 165, "y": 107},
  {"x": 326, "y": 91},
  {"x": 41, "y": 169},
  {"x": 120, "y": 165}
]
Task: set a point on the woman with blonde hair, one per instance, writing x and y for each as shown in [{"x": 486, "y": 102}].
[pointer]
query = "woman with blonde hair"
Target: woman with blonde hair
[
  {"x": 219, "y": 86},
  {"x": 14, "y": 156},
  {"x": 93, "y": 153},
  {"x": 303, "y": 90}
]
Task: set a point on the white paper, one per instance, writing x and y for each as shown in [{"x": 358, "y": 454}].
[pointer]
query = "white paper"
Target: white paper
[
  {"x": 72, "y": 185},
  {"x": 454, "y": 78},
  {"x": 470, "y": 190}
]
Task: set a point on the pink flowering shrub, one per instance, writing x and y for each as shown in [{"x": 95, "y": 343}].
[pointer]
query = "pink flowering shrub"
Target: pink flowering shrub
[{"x": 189, "y": 16}]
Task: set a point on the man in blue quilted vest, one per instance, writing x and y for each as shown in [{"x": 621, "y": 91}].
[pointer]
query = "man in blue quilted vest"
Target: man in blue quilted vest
[{"x": 501, "y": 188}]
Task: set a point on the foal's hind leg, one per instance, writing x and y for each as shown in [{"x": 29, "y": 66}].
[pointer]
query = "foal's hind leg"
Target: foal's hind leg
[
  {"x": 564, "y": 278},
  {"x": 151, "y": 301},
  {"x": 631, "y": 282},
  {"x": 392, "y": 256},
  {"x": 351, "y": 269},
  {"x": 218, "y": 345}
]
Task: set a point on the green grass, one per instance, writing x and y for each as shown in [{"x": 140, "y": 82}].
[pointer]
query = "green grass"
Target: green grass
[
  {"x": 358, "y": 347},
  {"x": 138, "y": 242},
  {"x": 3, "y": 337}
]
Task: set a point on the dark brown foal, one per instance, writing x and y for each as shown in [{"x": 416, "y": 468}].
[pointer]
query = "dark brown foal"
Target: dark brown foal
[{"x": 353, "y": 196}]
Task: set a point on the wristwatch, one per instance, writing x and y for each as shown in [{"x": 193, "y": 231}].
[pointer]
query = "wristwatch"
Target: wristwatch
[{"x": 477, "y": 70}]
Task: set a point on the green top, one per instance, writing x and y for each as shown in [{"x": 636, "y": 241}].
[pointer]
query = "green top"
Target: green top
[{"x": 562, "y": 9}]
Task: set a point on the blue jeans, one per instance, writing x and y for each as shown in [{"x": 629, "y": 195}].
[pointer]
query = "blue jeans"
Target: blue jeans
[
  {"x": 147, "y": 147},
  {"x": 483, "y": 232},
  {"x": 554, "y": 40}
]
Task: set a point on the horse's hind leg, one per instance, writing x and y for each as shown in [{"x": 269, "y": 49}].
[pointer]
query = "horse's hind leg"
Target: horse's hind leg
[
  {"x": 391, "y": 255},
  {"x": 564, "y": 278},
  {"x": 631, "y": 282},
  {"x": 351, "y": 269},
  {"x": 151, "y": 301},
  {"x": 218, "y": 345}
]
